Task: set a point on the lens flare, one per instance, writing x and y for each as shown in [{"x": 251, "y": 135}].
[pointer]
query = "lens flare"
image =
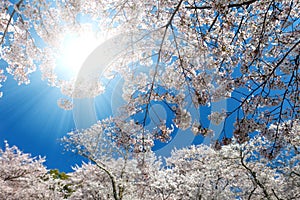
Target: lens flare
[{"x": 75, "y": 48}]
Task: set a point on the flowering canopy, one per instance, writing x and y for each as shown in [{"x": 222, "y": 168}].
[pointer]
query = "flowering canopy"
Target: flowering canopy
[
  {"x": 189, "y": 54},
  {"x": 185, "y": 55},
  {"x": 24, "y": 177}
]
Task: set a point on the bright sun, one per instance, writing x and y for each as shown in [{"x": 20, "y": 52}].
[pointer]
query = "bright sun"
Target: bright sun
[{"x": 75, "y": 49}]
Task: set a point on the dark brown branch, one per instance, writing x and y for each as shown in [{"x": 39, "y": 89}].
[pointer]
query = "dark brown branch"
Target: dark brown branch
[
  {"x": 267, "y": 79},
  {"x": 199, "y": 7},
  {"x": 113, "y": 182},
  {"x": 9, "y": 21},
  {"x": 213, "y": 23},
  {"x": 10, "y": 178},
  {"x": 253, "y": 174},
  {"x": 173, "y": 14},
  {"x": 281, "y": 111},
  {"x": 234, "y": 5},
  {"x": 275, "y": 194},
  {"x": 251, "y": 193},
  {"x": 102, "y": 167},
  {"x": 237, "y": 31},
  {"x": 297, "y": 174},
  {"x": 157, "y": 64},
  {"x": 246, "y": 3}
]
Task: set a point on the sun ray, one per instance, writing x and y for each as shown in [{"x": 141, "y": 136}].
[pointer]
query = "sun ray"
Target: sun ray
[{"x": 75, "y": 48}]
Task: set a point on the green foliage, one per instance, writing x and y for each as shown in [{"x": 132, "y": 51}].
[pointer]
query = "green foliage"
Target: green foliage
[
  {"x": 65, "y": 187},
  {"x": 58, "y": 175}
]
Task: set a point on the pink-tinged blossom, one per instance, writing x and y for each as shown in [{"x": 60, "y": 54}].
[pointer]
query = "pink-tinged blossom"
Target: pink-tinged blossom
[{"x": 25, "y": 177}]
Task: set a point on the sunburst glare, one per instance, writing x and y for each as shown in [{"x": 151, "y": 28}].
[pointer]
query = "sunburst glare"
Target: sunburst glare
[{"x": 75, "y": 48}]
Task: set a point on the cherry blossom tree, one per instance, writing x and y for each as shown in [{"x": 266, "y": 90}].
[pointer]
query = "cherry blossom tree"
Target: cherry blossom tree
[
  {"x": 236, "y": 171},
  {"x": 90, "y": 181},
  {"x": 119, "y": 169},
  {"x": 24, "y": 177},
  {"x": 247, "y": 51},
  {"x": 244, "y": 50},
  {"x": 185, "y": 55}
]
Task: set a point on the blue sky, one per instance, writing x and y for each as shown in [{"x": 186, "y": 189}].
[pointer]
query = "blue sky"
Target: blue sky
[{"x": 31, "y": 120}]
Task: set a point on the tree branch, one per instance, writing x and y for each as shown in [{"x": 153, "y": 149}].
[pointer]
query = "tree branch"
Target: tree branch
[
  {"x": 253, "y": 174},
  {"x": 234, "y": 5},
  {"x": 157, "y": 64},
  {"x": 9, "y": 21}
]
